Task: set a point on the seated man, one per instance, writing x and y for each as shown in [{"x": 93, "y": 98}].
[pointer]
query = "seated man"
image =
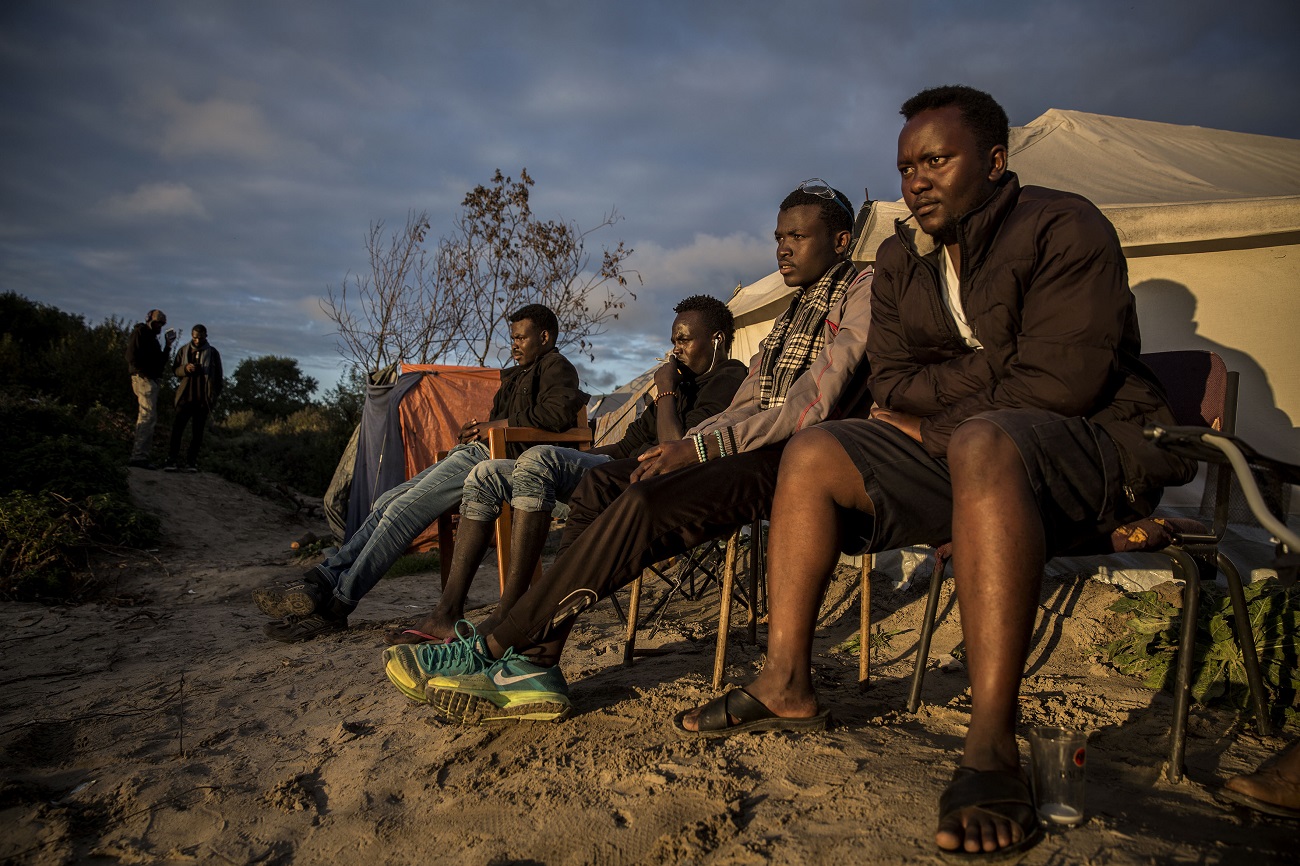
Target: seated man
[
  {"x": 689, "y": 491},
  {"x": 542, "y": 391},
  {"x": 696, "y": 382},
  {"x": 1011, "y": 400}
]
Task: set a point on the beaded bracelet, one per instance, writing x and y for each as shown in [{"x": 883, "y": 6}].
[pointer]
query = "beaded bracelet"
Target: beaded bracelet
[
  {"x": 722, "y": 448},
  {"x": 699, "y": 448},
  {"x": 665, "y": 394}
]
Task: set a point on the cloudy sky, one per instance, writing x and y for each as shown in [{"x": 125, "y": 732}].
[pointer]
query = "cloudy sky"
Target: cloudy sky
[{"x": 223, "y": 160}]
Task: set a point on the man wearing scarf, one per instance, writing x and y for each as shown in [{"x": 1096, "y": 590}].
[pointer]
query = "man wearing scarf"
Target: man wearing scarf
[
  {"x": 199, "y": 375},
  {"x": 629, "y": 514}
]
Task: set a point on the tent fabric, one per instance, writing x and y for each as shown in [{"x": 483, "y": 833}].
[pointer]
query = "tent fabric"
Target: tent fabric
[
  {"x": 448, "y": 397},
  {"x": 431, "y": 414},
  {"x": 411, "y": 412},
  {"x": 615, "y": 412},
  {"x": 339, "y": 492},
  {"x": 1210, "y": 224},
  {"x": 381, "y": 458}
]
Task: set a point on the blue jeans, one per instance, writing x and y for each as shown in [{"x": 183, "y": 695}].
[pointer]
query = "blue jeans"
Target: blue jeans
[
  {"x": 542, "y": 475},
  {"x": 399, "y": 515}
]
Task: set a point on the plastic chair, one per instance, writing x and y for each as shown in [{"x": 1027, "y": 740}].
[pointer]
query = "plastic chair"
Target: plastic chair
[
  {"x": 1202, "y": 393},
  {"x": 499, "y": 439}
]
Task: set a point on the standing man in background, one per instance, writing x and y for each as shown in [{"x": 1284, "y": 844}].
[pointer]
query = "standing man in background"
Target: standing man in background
[
  {"x": 146, "y": 360},
  {"x": 198, "y": 367}
]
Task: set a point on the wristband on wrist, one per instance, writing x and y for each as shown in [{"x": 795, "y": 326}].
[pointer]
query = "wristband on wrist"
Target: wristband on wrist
[
  {"x": 731, "y": 439},
  {"x": 699, "y": 448},
  {"x": 665, "y": 394},
  {"x": 722, "y": 448}
]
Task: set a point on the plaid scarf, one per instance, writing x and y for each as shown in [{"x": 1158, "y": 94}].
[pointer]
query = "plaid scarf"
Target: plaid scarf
[{"x": 798, "y": 337}]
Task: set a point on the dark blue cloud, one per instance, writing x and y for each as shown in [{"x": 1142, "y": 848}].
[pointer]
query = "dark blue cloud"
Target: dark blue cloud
[{"x": 224, "y": 160}]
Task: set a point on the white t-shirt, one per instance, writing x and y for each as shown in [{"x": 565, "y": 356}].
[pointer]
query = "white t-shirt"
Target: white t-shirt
[{"x": 952, "y": 300}]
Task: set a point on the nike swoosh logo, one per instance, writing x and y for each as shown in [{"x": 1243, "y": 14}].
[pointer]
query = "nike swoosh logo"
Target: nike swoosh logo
[{"x": 502, "y": 680}]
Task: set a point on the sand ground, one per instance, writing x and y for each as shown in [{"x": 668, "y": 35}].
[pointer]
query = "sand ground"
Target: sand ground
[{"x": 158, "y": 725}]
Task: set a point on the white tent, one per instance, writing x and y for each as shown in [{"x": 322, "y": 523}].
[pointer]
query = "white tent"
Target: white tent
[{"x": 1210, "y": 223}]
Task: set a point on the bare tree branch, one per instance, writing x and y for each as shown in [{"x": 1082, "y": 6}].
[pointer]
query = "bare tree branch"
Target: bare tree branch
[{"x": 454, "y": 303}]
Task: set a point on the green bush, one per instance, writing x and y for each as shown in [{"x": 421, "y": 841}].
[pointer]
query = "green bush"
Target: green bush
[
  {"x": 300, "y": 451},
  {"x": 63, "y": 492},
  {"x": 45, "y": 540}
]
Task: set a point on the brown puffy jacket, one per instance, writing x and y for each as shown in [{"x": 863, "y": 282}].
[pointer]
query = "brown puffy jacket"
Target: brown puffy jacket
[{"x": 1044, "y": 285}]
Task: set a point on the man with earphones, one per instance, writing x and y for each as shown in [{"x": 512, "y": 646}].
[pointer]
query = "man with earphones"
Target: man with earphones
[
  {"x": 696, "y": 382},
  {"x": 628, "y": 514}
]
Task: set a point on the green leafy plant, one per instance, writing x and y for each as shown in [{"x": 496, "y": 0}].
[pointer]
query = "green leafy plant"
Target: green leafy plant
[
  {"x": 1149, "y": 649},
  {"x": 45, "y": 539}
]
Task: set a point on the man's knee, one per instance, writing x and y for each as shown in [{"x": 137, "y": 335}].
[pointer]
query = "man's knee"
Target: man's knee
[
  {"x": 535, "y": 469},
  {"x": 981, "y": 443},
  {"x": 809, "y": 453},
  {"x": 536, "y": 478},
  {"x": 486, "y": 487}
]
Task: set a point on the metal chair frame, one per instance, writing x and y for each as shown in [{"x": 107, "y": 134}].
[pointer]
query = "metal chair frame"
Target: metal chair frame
[{"x": 1187, "y": 551}]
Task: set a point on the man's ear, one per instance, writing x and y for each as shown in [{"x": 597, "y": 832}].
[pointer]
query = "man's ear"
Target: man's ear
[
  {"x": 842, "y": 240},
  {"x": 997, "y": 162},
  {"x": 548, "y": 339}
]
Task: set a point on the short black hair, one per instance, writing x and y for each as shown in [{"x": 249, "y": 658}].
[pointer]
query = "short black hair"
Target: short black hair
[
  {"x": 837, "y": 217},
  {"x": 202, "y": 329},
  {"x": 541, "y": 316},
  {"x": 717, "y": 315},
  {"x": 980, "y": 111}
]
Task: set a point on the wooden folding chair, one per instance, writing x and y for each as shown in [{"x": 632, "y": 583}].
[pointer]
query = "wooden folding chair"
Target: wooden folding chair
[{"x": 499, "y": 439}]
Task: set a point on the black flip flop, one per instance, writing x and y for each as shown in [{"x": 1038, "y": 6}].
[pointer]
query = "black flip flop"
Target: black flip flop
[
  {"x": 1004, "y": 793},
  {"x": 754, "y": 716}
]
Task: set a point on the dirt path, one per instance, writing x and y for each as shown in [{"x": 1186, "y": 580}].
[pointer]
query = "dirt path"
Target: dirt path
[{"x": 164, "y": 728}]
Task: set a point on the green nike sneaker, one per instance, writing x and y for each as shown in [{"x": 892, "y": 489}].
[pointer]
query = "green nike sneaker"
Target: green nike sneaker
[
  {"x": 510, "y": 689},
  {"x": 409, "y": 666}
]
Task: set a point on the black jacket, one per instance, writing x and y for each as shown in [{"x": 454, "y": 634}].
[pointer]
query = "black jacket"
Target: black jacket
[
  {"x": 205, "y": 383},
  {"x": 1044, "y": 285},
  {"x": 144, "y": 357},
  {"x": 545, "y": 395},
  {"x": 698, "y": 400}
]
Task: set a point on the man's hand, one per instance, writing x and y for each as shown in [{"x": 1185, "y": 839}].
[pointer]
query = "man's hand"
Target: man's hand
[
  {"x": 476, "y": 431},
  {"x": 909, "y": 424},
  {"x": 668, "y": 376},
  {"x": 189, "y": 368},
  {"x": 665, "y": 457},
  {"x": 468, "y": 431}
]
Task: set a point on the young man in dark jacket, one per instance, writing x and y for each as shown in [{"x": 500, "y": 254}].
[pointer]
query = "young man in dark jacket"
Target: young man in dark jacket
[
  {"x": 146, "y": 361},
  {"x": 696, "y": 382},
  {"x": 542, "y": 391},
  {"x": 1011, "y": 400},
  {"x": 200, "y": 379}
]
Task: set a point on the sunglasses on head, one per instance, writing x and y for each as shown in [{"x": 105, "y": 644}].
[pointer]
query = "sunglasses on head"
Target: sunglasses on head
[{"x": 818, "y": 187}]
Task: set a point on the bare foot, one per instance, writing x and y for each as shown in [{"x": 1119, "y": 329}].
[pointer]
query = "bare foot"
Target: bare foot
[
  {"x": 433, "y": 627},
  {"x": 782, "y": 703},
  {"x": 1008, "y": 809},
  {"x": 974, "y": 830},
  {"x": 1276, "y": 782}
]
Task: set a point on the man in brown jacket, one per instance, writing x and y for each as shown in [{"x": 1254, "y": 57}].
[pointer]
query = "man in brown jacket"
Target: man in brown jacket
[{"x": 1004, "y": 364}]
